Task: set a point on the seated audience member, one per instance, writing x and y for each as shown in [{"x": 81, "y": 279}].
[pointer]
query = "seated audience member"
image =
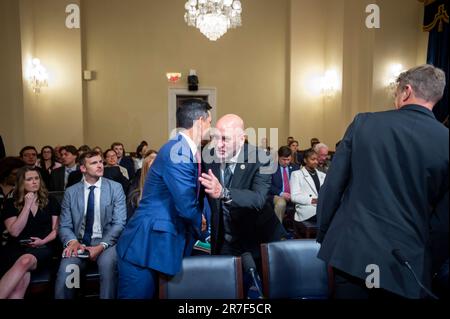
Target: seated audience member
[
  {"x": 110, "y": 157},
  {"x": 280, "y": 190},
  {"x": 322, "y": 157},
  {"x": 135, "y": 192},
  {"x": 297, "y": 156},
  {"x": 113, "y": 173},
  {"x": 30, "y": 216},
  {"x": 264, "y": 145},
  {"x": 314, "y": 141},
  {"x": 8, "y": 171},
  {"x": 92, "y": 218},
  {"x": 305, "y": 186},
  {"x": 98, "y": 149},
  {"x": 83, "y": 149},
  {"x": 289, "y": 140},
  {"x": 57, "y": 150},
  {"x": 140, "y": 152},
  {"x": 28, "y": 154},
  {"x": 60, "y": 176},
  {"x": 123, "y": 160},
  {"x": 47, "y": 160}
]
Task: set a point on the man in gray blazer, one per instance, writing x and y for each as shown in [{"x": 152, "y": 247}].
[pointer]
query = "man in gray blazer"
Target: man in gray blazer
[{"x": 92, "y": 218}]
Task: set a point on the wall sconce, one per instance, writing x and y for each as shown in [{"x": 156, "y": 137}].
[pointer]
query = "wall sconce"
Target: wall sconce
[
  {"x": 393, "y": 73},
  {"x": 329, "y": 83},
  {"x": 37, "y": 75},
  {"x": 173, "y": 77}
]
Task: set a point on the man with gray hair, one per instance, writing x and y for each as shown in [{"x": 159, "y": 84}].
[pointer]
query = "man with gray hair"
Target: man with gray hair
[
  {"x": 322, "y": 157},
  {"x": 389, "y": 175}
]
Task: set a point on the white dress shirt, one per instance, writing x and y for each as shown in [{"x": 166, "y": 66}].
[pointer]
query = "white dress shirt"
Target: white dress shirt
[{"x": 191, "y": 144}]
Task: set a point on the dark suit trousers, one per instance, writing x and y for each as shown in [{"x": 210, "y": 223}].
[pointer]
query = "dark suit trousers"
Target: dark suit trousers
[{"x": 349, "y": 287}]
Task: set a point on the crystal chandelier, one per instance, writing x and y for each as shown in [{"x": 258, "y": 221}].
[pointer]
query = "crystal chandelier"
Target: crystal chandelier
[{"x": 213, "y": 17}]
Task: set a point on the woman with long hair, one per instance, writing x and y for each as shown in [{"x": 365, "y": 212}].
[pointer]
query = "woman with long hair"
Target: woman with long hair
[
  {"x": 140, "y": 154},
  {"x": 47, "y": 159},
  {"x": 135, "y": 192},
  {"x": 31, "y": 218}
]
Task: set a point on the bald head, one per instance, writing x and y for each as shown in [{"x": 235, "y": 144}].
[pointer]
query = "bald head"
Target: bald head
[
  {"x": 228, "y": 136},
  {"x": 230, "y": 121}
]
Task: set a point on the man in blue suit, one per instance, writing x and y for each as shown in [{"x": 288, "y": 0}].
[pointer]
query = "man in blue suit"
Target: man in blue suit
[
  {"x": 389, "y": 175},
  {"x": 280, "y": 190},
  {"x": 168, "y": 219}
]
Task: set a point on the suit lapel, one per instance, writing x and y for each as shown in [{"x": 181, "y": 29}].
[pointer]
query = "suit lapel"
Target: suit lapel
[
  {"x": 240, "y": 167},
  {"x": 80, "y": 205},
  {"x": 309, "y": 180},
  {"x": 104, "y": 198}
]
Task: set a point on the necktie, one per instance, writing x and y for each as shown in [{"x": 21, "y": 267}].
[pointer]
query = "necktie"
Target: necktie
[
  {"x": 89, "y": 217},
  {"x": 199, "y": 171},
  {"x": 287, "y": 187},
  {"x": 227, "y": 175}
]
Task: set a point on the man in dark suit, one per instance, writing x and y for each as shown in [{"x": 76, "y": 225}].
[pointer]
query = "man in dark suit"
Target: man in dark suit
[
  {"x": 29, "y": 155},
  {"x": 280, "y": 190},
  {"x": 60, "y": 176},
  {"x": 169, "y": 216},
  {"x": 381, "y": 190},
  {"x": 237, "y": 179},
  {"x": 123, "y": 160}
]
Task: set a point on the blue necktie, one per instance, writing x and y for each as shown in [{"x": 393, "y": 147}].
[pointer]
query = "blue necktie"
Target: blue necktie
[{"x": 89, "y": 217}]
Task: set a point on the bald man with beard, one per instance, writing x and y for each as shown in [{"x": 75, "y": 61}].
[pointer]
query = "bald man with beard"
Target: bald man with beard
[{"x": 237, "y": 180}]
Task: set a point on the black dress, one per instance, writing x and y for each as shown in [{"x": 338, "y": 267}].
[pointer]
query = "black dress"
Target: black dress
[{"x": 39, "y": 226}]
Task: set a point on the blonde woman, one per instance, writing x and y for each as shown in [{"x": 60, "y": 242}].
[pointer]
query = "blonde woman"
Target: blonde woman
[
  {"x": 135, "y": 192},
  {"x": 31, "y": 218}
]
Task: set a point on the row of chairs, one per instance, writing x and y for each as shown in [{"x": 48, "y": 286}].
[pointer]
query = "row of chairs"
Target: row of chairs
[{"x": 291, "y": 270}]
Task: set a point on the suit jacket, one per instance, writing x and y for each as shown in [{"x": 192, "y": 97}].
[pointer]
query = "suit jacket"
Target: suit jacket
[
  {"x": 276, "y": 186},
  {"x": 379, "y": 195},
  {"x": 57, "y": 176},
  {"x": 112, "y": 212},
  {"x": 128, "y": 163},
  {"x": 163, "y": 227},
  {"x": 253, "y": 220},
  {"x": 303, "y": 190}
]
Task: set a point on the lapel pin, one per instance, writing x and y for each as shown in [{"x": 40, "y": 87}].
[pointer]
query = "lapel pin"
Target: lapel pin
[{"x": 242, "y": 166}]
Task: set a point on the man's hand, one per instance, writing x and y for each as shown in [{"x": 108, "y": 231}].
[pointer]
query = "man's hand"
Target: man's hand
[
  {"x": 72, "y": 249},
  {"x": 94, "y": 251},
  {"x": 211, "y": 184},
  {"x": 286, "y": 196}
]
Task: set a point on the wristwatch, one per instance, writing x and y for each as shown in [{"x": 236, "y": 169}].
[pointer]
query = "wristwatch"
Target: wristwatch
[
  {"x": 225, "y": 195},
  {"x": 105, "y": 245}
]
